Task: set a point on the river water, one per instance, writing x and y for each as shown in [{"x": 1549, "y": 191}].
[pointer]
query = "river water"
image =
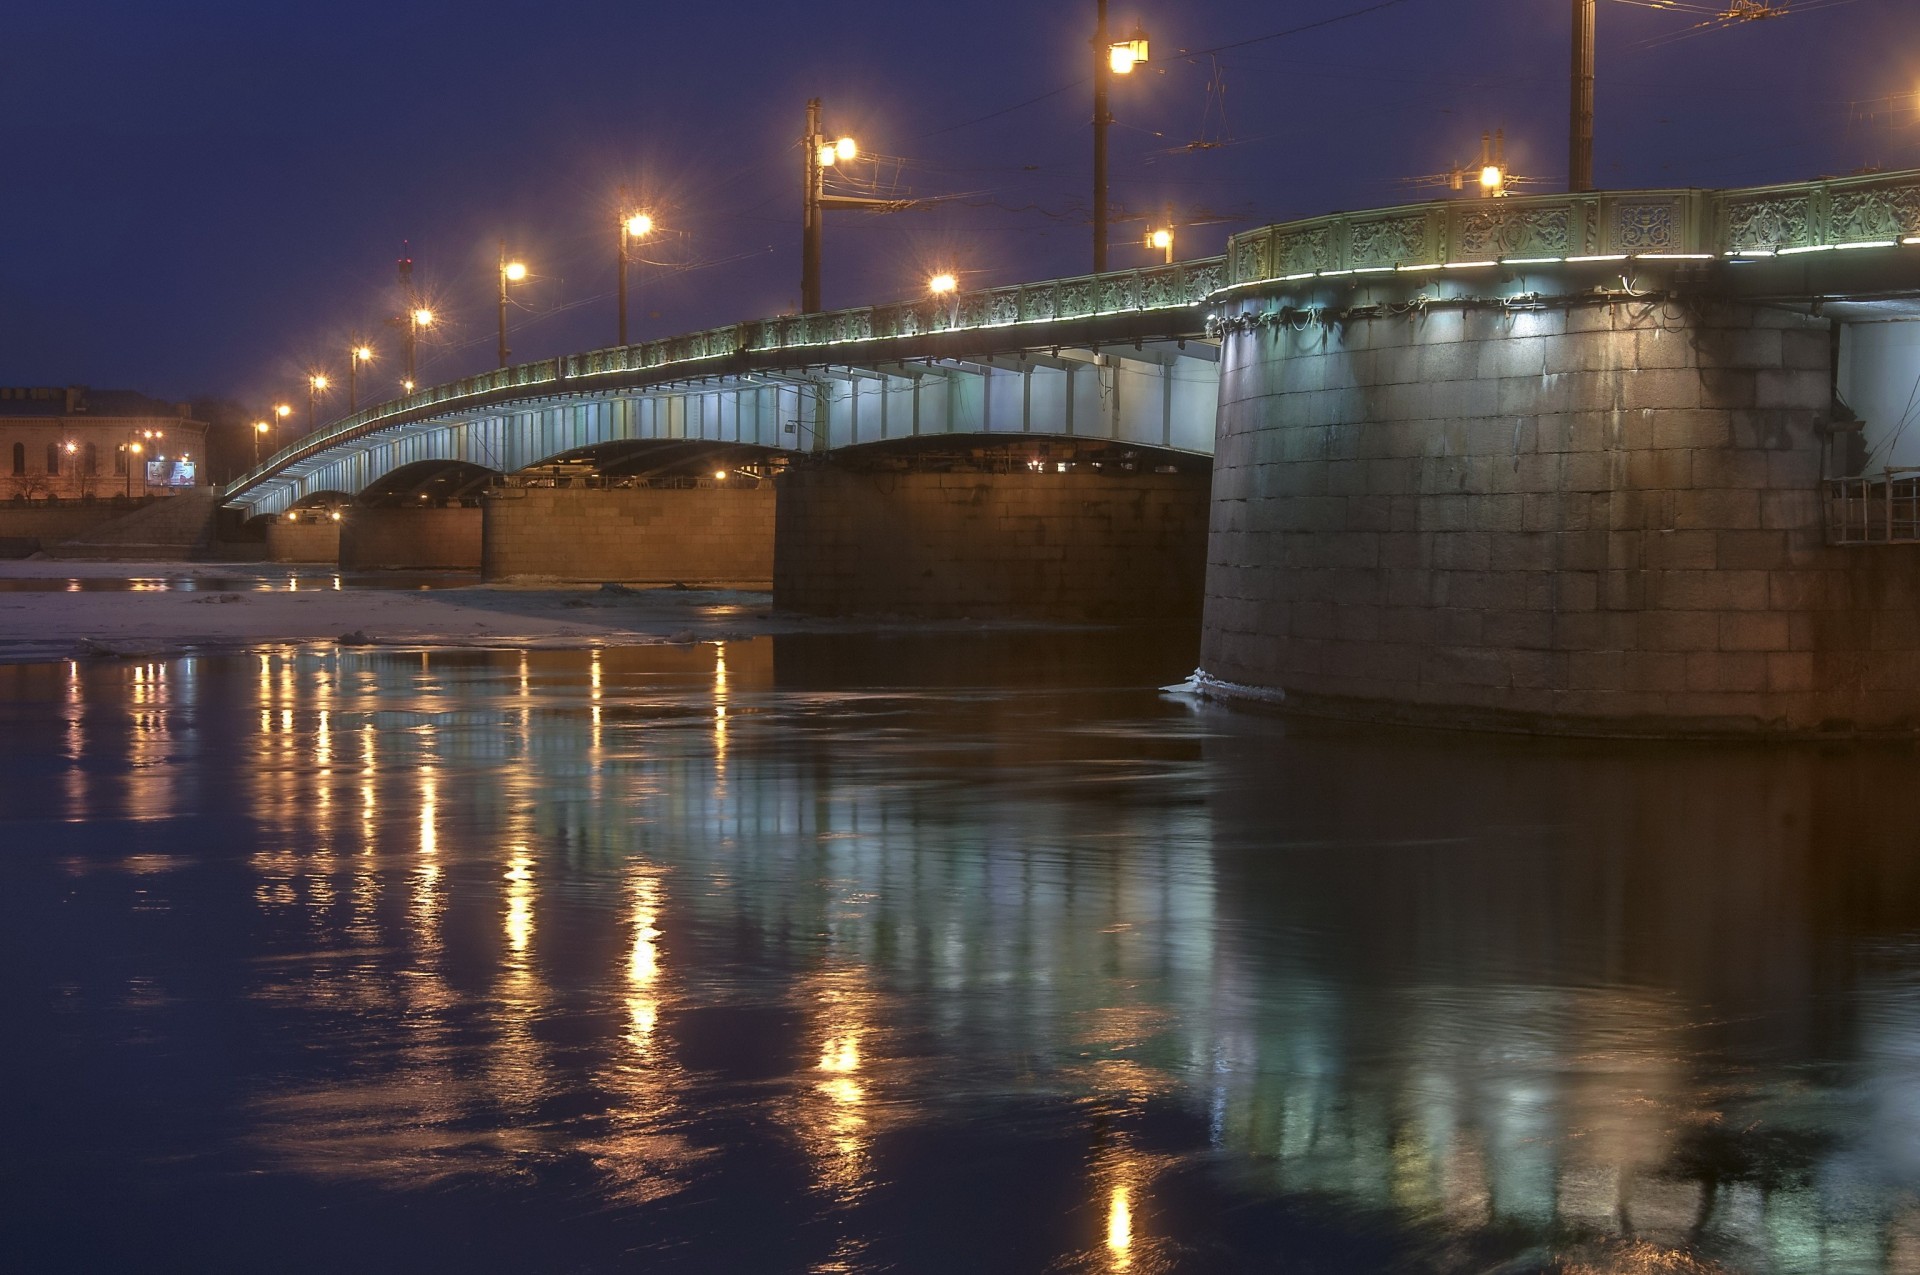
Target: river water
[{"x": 962, "y": 952}]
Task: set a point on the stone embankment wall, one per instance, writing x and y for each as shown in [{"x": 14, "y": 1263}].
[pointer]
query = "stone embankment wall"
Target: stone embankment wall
[
  {"x": 24, "y": 528},
  {"x": 437, "y": 539},
  {"x": 1598, "y": 518},
  {"x": 305, "y": 539},
  {"x": 1077, "y": 545},
  {"x": 714, "y": 536}
]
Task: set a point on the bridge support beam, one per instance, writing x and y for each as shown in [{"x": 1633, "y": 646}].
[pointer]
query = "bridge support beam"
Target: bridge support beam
[
  {"x": 377, "y": 537},
  {"x": 1075, "y": 545},
  {"x": 1599, "y": 518},
  {"x": 715, "y": 537}
]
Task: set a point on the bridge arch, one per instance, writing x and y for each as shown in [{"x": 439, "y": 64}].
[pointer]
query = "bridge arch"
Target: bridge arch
[{"x": 425, "y": 484}]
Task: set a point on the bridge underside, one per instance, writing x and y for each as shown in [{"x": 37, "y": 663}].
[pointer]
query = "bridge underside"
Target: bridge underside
[{"x": 1156, "y": 395}]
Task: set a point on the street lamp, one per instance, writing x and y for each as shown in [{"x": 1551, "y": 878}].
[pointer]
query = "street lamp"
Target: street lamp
[
  {"x": 1110, "y": 58},
  {"x": 133, "y": 454},
  {"x": 510, "y": 272},
  {"x": 259, "y": 428},
  {"x": 1162, "y": 240},
  {"x": 407, "y": 386},
  {"x": 316, "y": 386},
  {"x": 822, "y": 153},
  {"x": 280, "y": 413},
  {"x": 417, "y": 318},
  {"x": 942, "y": 284},
  {"x": 355, "y": 357},
  {"x": 633, "y": 225}
]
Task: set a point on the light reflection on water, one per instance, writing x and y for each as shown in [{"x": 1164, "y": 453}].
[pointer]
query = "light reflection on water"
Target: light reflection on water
[{"x": 940, "y": 954}]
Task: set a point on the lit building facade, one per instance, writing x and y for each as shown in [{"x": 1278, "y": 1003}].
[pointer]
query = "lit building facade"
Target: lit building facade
[{"x": 71, "y": 442}]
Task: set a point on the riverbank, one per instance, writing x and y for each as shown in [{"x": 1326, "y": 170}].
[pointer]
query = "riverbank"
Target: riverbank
[{"x": 58, "y": 610}]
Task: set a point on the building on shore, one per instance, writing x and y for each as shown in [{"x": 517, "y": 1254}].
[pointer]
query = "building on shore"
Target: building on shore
[{"x": 72, "y": 443}]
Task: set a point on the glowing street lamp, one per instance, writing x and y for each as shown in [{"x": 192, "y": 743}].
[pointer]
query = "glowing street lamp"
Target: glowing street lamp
[
  {"x": 1110, "y": 58},
  {"x": 1161, "y": 240},
  {"x": 259, "y": 429},
  {"x": 633, "y": 225},
  {"x": 510, "y": 272},
  {"x": 407, "y": 386},
  {"x": 1122, "y": 55},
  {"x": 317, "y": 383},
  {"x": 280, "y": 413},
  {"x": 417, "y": 318},
  {"x": 942, "y": 284},
  {"x": 355, "y": 357},
  {"x": 822, "y": 153}
]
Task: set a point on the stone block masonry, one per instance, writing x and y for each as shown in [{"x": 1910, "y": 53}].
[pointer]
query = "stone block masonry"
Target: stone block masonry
[
  {"x": 1600, "y": 518},
  {"x": 717, "y": 537},
  {"x": 1079, "y": 545},
  {"x": 308, "y": 538},
  {"x": 373, "y": 538}
]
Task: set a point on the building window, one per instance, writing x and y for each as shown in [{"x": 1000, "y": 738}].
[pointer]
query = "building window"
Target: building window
[
  {"x": 53, "y": 460},
  {"x": 19, "y": 460},
  {"x": 91, "y": 462}
]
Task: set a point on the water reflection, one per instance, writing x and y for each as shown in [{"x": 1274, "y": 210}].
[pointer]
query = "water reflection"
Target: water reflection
[{"x": 841, "y": 963}]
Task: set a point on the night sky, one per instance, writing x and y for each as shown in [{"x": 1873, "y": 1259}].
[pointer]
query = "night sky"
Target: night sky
[{"x": 205, "y": 199}]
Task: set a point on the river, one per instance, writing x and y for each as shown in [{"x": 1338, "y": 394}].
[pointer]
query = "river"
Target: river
[{"x": 955, "y": 952}]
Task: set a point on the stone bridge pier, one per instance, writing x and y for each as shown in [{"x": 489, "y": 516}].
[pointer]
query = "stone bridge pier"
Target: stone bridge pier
[
  {"x": 1601, "y": 512},
  {"x": 1040, "y": 531}
]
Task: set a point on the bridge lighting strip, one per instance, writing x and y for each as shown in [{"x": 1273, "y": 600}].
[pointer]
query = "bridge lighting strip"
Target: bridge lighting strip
[
  {"x": 1911, "y": 239},
  {"x": 1530, "y": 261},
  {"x": 1676, "y": 256},
  {"x": 1794, "y": 252},
  {"x": 1470, "y": 265},
  {"x": 1870, "y": 243},
  {"x": 1577, "y": 261}
]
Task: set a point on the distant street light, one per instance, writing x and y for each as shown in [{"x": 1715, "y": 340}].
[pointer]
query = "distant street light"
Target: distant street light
[
  {"x": 1110, "y": 58},
  {"x": 280, "y": 413},
  {"x": 510, "y": 272},
  {"x": 355, "y": 357},
  {"x": 1162, "y": 240},
  {"x": 633, "y": 225},
  {"x": 942, "y": 283},
  {"x": 259, "y": 428},
  {"x": 417, "y": 318},
  {"x": 316, "y": 386}
]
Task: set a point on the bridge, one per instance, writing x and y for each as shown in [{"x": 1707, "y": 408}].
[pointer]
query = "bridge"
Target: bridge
[{"x": 1560, "y": 458}]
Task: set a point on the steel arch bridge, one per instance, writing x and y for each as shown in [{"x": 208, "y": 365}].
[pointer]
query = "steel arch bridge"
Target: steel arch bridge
[{"x": 1132, "y": 357}]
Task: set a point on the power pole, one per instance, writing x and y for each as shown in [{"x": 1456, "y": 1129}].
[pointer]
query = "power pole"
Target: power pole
[
  {"x": 1102, "y": 76},
  {"x": 822, "y": 153},
  {"x": 1580, "y": 134}
]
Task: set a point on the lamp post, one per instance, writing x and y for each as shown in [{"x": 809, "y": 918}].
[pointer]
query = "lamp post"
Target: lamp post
[
  {"x": 417, "y": 318},
  {"x": 1580, "y": 130},
  {"x": 1110, "y": 58},
  {"x": 280, "y": 413},
  {"x": 132, "y": 450},
  {"x": 316, "y": 386},
  {"x": 355, "y": 357},
  {"x": 510, "y": 272},
  {"x": 633, "y": 225},
  {"x": 821, "y": 154},
  {"x": 259, "y": 428},
  {"x": 947, "y": 284}
]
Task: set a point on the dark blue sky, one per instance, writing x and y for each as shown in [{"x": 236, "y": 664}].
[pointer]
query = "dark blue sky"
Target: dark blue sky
[{"x": 206, "y": 197}]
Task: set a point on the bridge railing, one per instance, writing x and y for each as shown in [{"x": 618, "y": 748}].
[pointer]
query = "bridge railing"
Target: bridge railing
[
  {"x": 1872, "y": 211},
  {"x": 1180, "y": 285}
]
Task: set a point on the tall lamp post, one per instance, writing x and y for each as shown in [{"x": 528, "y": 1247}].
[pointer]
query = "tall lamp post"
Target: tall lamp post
[
  {"x": 280, "y": 413},
  {"x": 417, "y": 318},
  {"x": 355, "y": 357},
  {"x": 259, "y": 429},
  {"x": 822, "y": 153},
  {"x": 317, "y": 383},
  {"x": 1110, "y": 58},
  {"x": 510, "y": 272},
  {"x": 1580, "y": 129},
  {"x": 633, "y": 225}
]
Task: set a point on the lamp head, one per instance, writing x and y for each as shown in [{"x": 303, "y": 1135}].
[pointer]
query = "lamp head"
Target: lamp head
[{"x": 515, "y": 271}]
